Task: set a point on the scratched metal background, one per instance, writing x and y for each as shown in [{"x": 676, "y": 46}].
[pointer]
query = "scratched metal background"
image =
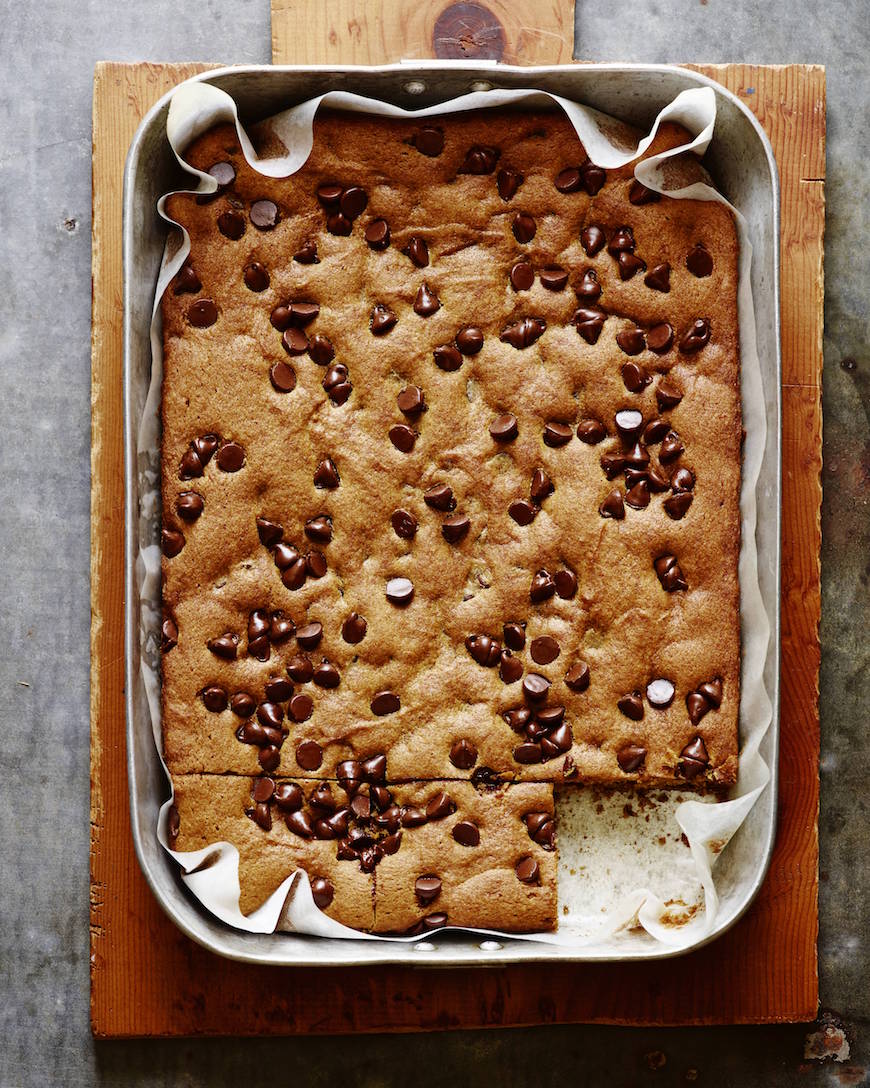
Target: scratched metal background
[{"x": 48, "y": 51}]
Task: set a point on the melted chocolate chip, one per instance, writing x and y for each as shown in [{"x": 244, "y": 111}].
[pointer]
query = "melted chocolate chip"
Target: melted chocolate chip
[
  {"x": 503, "y": 428},
  {"x": 514, "y": 635},
  {"x": 382, "y": 319},
  {"x": 522, "y": 276},
  {"x": 403, "y": 437},
  {"x": 417, "y": 250},
  {"x": 677, "y": 506},
  {"x": 202, "y": 313},
  {"x": 522, "y": 511},
  {"x": 466, "y": 833},
  {"x": 242, "y": 704},
  {"x": 322, "y": 892},
  {"x": 186, "y": 281},
  {"x": 307, "y": 253},
  {"x": 557, "y": 434},
  {"x": 215, "y": 698},
  {"x": 631, "y": 341},
  {"x": 309, "y": 755},
  {"x": 508, "y": 182},
  {"x": 455, "y": 529},
  {"x": 639, "y": 194},
  {"x": 592, "y": 239},
  {"x": 631, "y": 758},
  {"x": 669, "y": 573},
  {"x": 613, "y": 505},
  {"x": 172, "y": 541},
  {"x": 404, "y": 524},
  {"x": 427, "y": 888},
  {"x": 589, "y": 324},
  {"x": 385, "y": 702},
  {"x": 447, "y": 357},
  {"x": 309, "y": 635},
  {"x": 698, "y": 261},
  {"x": 294, "y": 341},
  {"x": 354, "y": 628},
  {"x": 426, "y": 302},
  {"x": 301, "y": 706},
  {"x": 659, "y": 278},
  {"x": 485, "y": 650},
  {"x": 510, "y": 668},
  {"x": 535, "y": 687},
  {"x": 326, "y": 475},
  {"x": 527, "y": 871},
  {"x": 592, "y": 178},
  {"x": 544, "y": 649},
  {"x": 377, "y": 234},
  {"x": 668, "y": 393},
  {"x": 469, "y": 340},
  {"x": 566, "y": 584},
  {"x": 321, "y": 350},
  {"x": 524, "y": 227},
  {"x": 480, "y": 160},
  {"x": 225, "y": 646},
  {"x": 696, "y": 337},
  {"x": 577, "y": 677},
  {"x": 541, "y": 486},
  {"x": 439, "y": 497},
  {"x": 631, "y": 705},
  {"x": 282, "y": 377},
  {"x": 591, "y": 431},
  {"x": 463, "y": 754},
  {"x": 256, "y": 277},
  {"x": 231, "y": 224},
  {"x": 693, "y": 759},
  {"x": 660, "y": 338},
  {"x": 428, "y": 141},
  {"x": 523, "y": 333},
  {"x": 543, "y": 587},
  {"x": 629, "y": 264}
]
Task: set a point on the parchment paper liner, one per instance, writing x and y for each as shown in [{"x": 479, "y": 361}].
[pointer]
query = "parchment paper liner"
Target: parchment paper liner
[{"x": 599, "y": 905}]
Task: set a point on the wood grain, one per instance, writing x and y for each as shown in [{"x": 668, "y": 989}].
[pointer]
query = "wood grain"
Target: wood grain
[
  {"x": 148, "y": 979},
  {"x": 385, "y": 31}
]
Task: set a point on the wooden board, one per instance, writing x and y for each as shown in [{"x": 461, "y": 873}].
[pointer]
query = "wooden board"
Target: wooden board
[{"x": 147, "y": 978}]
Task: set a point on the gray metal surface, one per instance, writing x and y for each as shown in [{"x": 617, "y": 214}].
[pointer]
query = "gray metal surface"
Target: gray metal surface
[{"x": 742, "y": 162}]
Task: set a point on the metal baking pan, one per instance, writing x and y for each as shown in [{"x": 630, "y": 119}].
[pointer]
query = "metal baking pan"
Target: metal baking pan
[{"x": 742, "y": 162}]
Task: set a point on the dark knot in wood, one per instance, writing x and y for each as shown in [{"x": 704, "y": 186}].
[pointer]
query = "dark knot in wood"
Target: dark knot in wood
[{"x": 466, "y": 31}]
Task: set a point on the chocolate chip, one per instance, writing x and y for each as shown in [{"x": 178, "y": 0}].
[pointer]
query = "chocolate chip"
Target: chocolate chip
[
  {"x": 592, "y": 239},
  {"x": 439, "y": 497},
  {"x": 301, "y": 706},
  {"x": 677, "y": 506},
  {"x": 428, "y": 141},
  {"x": 543, "y": 587},
  {"x": 309, "y": 755},
  {"x": 712, "y": 690},
  {"x": 542, "y": 829},
  {"x": 660, "y": 338},
  {"x": 336, "y": 384},
  {"x": 528, "y": 752},
  {"x": 660, "y": 693},
  {"x": 629, "y": 264},
  {"x": 231, "y": 223},
  {"x": 668, "y": 393},
  {"x": 270, "y": 715},
  {"x": 307, "y": 253},
  {"x": 256, "y": 277},
  {"x": 522, "y": 511},
  {"x": 426, "y": 302},
  {"x": 289, "y": 797},
  {"x": 480, "y": 159},
  {"x": 186, "y": 281},
  {"x": 231, "y": 457},
  {"x": 320, "y": 529},
  {"x": 683, "y": 480},
  {"x": 455, "y": 529},
  {"x": 322, "y": 891},
  {"x": 202, "y": 313},
  {"x": 385, "y": 702},
  {"x": 427, "y": 888},
  {"x": 224, "y": 174},
  {"x": 591, "y": 431},
  {"x": 524, "y": 227},
  {"x": 321, "y": 350},
  {"x": 514, "y": 635},
  {"x": 469, "y": 340},
  {"x": 693, "y": 759},
  {"x": 413, "y": 817},
  {"x": 377, "y": 234},
  {"x": 403, "y": 437},
  {"x": 439, "y": 806},
  {"x": 447, "y": 357},
  {"x": 400, "y": 591},
  {"x": 411, "y": 401},
  {"x": 656, "y": 479},
  {"x": 269, "y": 757},
  {"x": 568, "y": 180},
  {"x": 631, "y": 341},
  {"x": 294, "y": 341},
  {"x": 698, "y": 705},
  {"x": 382, "y": 319},
  {"x": 353, "y": 202},
  {"x": 522, "y": 276},
  {"x": 541, "y": 486},
  {"x": 518, "y": 718},
  {"x": 592, "y": 177},
  {"x": 278, "y": 689},
  {"x": 285, "y": 555},
  {"x": 283, "y": 377},
  {"x": 631, "y": 757},
  {"x": 659, "y": 278},
  {"x": 354, "y": 628},
  {"x": 326, "y": 475},
  {"x": 613, "y": 465},
  {"x": 613, "y": 506},
  {"x": 326, "y": 675},
  {"x": 638, "y": 496},
  {"x": 637, "y": 457},
  {"x": 404, "y": 524},
  {"x": 671, "y": 447},
  {"x": 463, "y": 754},
  {"x": 655, "y": 431},
  {"x": 589, "y": 324},
  {"x": 485, "y": 650},
  {"x": 508, "y": 181},
  {"x": 544, "y": 650},
  {"x": 242, "y": 704},
  {"x": 628, "y": 423},
  {"x": 309, "y": 635},
  {"x": 172, "y": 541},
  {"x": 669, "y": 573},
  {"x": 264, "y": 214},
  {"x": 557, "y": 434},
  {"x": 566, "y": 584},
  {"x": 262, "y": 816},
  {"x": 417, "y": 250},
  {"x": 553, "y": 278},
  {"x": 214, "y": 698},
  {"x": 535, "y": 687},
  {"x": 698, "y": 261},
  {"x": 225, "y": 646},
  {"x": 339, "y": 224},
  {"x": 466, "y": 833},
  {"x": 300, "y": 824},
  {"x": 697, "y": 336},
  {"x": 527, "y": 871},
  {"x": 293, "y": 577},
  {"x": 631, "y": 706},
  {"x": 523, "y": 333},
  {"x": 639, "y": 194},
  {"x": 503, "y": 428},
  {"x": 329, "y": 194},
  {"x": 510, "y": 668},
  {"x": 589, "y": 288},
  {"x": 577, "y": 677}
]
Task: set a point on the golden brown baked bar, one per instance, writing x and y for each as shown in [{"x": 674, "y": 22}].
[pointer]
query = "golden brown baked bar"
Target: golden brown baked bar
[
  {"x": 452, "y": 450},
  {"x": 399, "y": 859}
]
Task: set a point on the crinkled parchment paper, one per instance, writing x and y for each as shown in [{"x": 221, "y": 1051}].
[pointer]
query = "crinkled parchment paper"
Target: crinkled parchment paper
[{"x": 635, "y": 869}]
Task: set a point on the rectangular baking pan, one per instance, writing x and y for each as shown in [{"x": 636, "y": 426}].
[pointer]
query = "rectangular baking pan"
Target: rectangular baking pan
[{"x": 742, "y": 163}]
